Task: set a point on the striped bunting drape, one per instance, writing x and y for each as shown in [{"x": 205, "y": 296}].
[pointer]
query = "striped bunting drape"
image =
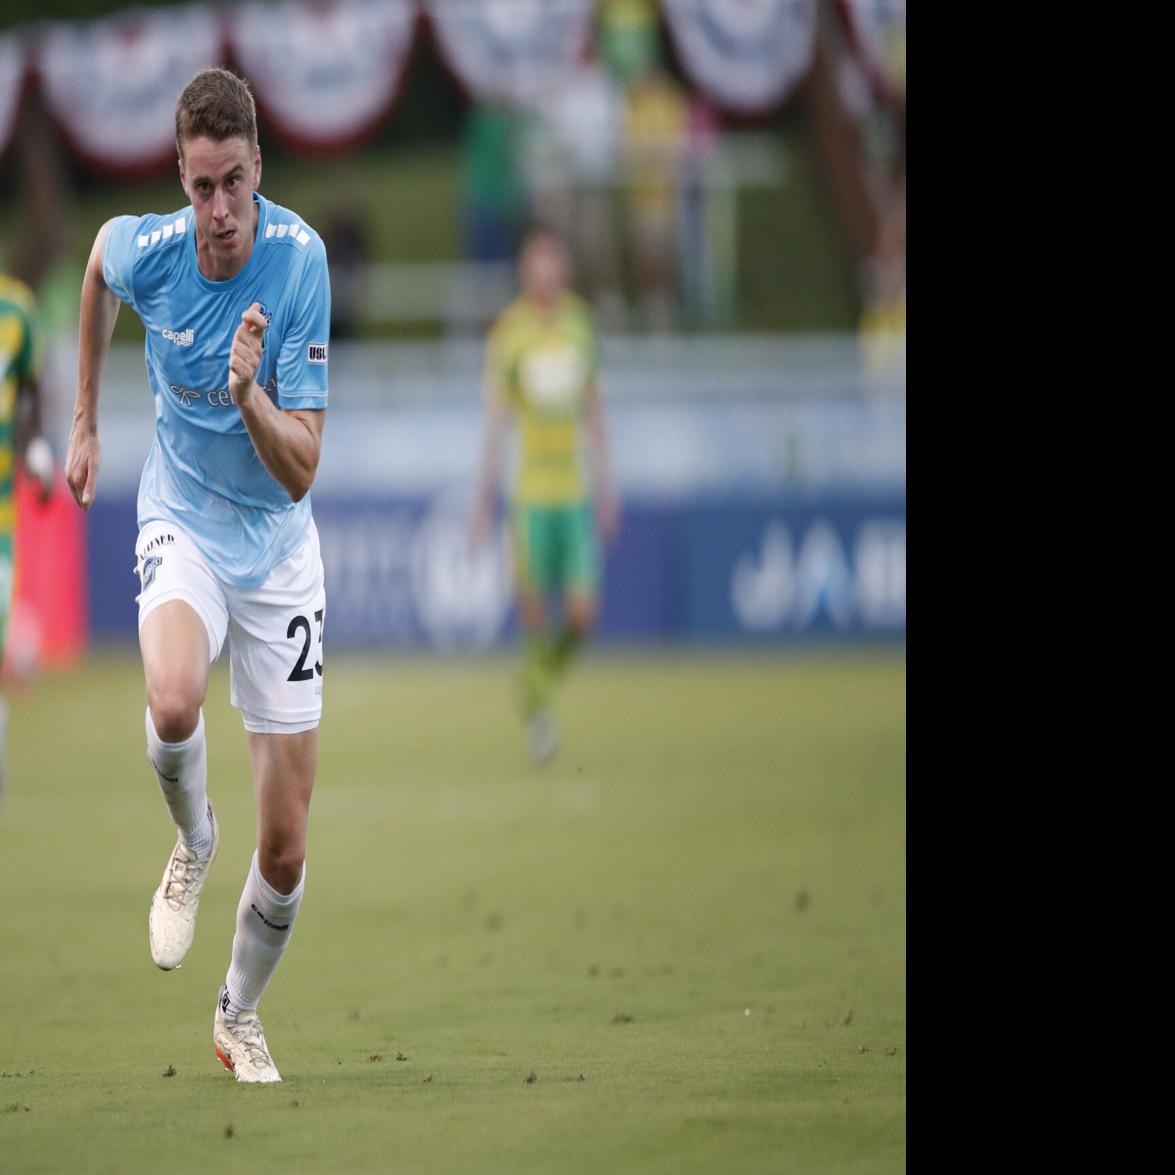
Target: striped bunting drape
[
  {"x": 112, "y": 84},
  {"x": 511, "y": 48},
  {"x": 748, "y": 55},
  {"x": 12, "y": 69},
  {"x": 324, "y": 75},
  {"x": 327, "y": 72}
]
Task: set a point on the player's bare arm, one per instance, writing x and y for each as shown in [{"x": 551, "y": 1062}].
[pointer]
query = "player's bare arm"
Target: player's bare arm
[
  {"x": 288, "y": 441},
  {"x": 607, "y": 502},
  {"x": 494, "y": 429},
  {"x": 99, "y": 312}
]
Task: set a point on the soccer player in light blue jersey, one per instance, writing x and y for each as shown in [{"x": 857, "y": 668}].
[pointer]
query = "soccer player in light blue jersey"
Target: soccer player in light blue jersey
[{"x": 233, "y": 294}]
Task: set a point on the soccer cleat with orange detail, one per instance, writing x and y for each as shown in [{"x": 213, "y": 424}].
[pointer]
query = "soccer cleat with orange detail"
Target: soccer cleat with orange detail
[{"x": 240, "y": 1045}]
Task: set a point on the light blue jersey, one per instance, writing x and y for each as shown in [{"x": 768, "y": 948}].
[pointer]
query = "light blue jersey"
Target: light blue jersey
[{"x": 203, "y": 473}]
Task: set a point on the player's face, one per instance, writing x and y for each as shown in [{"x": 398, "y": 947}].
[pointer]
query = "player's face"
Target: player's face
[
  {"x": 544, "y": 270},
  {"x": 220, "y": 179}
]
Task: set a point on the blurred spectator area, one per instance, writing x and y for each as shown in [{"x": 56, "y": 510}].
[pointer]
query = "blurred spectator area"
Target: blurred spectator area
[
  {"x": 689, "y": 414},
  {"x": 730, "y": 177},
  {"x": 691, "y": 203}
]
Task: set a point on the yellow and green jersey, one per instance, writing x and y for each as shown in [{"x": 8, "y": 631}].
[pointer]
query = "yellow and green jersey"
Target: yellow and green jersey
[
  {"x": 18, "y": 359},
  {"x": 544, "y": 366}
]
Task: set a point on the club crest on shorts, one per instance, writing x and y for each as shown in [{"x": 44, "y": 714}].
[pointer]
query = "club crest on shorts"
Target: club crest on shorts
[{"x": 147, "y": 570}]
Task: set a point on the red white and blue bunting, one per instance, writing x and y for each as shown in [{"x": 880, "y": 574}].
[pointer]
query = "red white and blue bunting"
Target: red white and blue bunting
[
  {"x": 12, "y": 68},
  {"x": 511, "y": 48},
  {"x": 112, "y": 84},
  {"x": 877, "y": 30},
  {"x": 748, "y": 55},
  {"x": 325, "y": 75}
]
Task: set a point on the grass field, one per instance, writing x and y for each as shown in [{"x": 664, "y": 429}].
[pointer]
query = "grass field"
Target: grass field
[{"x": 679, "y": 948}]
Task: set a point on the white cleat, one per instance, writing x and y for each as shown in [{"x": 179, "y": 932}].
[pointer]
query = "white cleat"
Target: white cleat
[
  {"x": 240, "y": 1044},
  {"x": 543, "y": 737},
  {"x": 171, "y": 924}
]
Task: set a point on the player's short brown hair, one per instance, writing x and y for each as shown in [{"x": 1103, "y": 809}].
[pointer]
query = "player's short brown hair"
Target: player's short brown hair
[
  {"x": 541, "y": 230},
  {"x": 218, "y": 105}
]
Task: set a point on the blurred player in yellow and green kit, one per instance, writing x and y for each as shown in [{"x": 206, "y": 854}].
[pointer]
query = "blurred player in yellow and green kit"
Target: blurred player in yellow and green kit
[
  {"x": 19, "y": 436},
  {"x": 542, "y": 369}
]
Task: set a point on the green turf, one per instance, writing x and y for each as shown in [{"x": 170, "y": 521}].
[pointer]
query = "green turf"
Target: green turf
[{"x": 690, "y": 929}]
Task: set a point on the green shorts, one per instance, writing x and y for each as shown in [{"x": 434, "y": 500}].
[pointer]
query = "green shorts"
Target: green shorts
[{"x": 555, "y": 549}]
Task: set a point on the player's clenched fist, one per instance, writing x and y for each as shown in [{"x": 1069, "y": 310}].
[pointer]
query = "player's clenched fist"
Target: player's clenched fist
[
  {"x": 245, "y": 357},
  {"x": 82, "y": 459}
]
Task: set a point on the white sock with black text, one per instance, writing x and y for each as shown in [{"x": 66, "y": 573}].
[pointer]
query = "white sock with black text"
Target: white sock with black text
[
  {"x": 182, "y": 771},
  {"x": 265, "y": 920}
]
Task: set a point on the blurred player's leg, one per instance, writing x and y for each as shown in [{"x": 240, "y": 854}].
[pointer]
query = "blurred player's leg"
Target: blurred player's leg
[
  {"x": 535, "y": 675},
  {"x": 531, "y": 573},
  {"x": 537, "y": 678},
  {"x": 283, "y": 770},
  {"x": 555, "y": 549},
  {"x": 3, "y": 738},
  {"x": 579, "y": 571},
  {"x": 175, "y": 648},
  {"x": 578, "y": 620}
]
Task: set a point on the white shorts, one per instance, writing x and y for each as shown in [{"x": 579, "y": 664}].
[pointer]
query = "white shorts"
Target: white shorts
[{"x": 274, "y": 631}]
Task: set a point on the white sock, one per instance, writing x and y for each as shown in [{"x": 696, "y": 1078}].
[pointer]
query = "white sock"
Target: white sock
[
  {"x": 182, "y": 771},
  {"x": 265, "y": 920}
]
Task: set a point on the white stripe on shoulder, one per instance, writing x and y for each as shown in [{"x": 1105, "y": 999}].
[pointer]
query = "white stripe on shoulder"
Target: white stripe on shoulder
[
  {"x": 173, "y": 228},
  {"x": 295, "y": 231}
]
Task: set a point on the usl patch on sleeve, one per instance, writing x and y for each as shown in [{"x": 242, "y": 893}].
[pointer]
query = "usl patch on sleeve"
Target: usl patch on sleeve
[{"x": 316, "y": 353}]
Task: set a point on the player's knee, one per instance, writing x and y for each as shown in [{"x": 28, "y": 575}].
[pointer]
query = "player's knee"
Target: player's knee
[
  {"x": 175, "y": 711},
  {"x": 280, "y": 860},
  {"x": 581, "y": 617},
  {"x": 583, "y": 624},
  {"x": 533, "y": 610}
]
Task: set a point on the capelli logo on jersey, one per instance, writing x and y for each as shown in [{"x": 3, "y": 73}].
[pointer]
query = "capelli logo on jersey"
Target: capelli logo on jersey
[{"x": 181, "y": 338}]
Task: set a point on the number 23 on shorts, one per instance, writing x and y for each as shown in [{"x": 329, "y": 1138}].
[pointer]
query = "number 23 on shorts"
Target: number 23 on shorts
[{"x": 300, "y": 629}]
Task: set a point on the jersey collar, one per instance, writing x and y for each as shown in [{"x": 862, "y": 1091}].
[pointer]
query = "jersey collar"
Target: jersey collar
[{"x": 231, "y": 282}]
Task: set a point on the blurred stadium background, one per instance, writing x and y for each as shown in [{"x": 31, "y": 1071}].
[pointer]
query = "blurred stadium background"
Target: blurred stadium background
[{"x": 731, "y": 176}]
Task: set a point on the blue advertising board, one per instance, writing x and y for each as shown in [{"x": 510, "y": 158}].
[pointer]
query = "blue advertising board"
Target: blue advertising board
[{"x": 401, "y": 571}]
